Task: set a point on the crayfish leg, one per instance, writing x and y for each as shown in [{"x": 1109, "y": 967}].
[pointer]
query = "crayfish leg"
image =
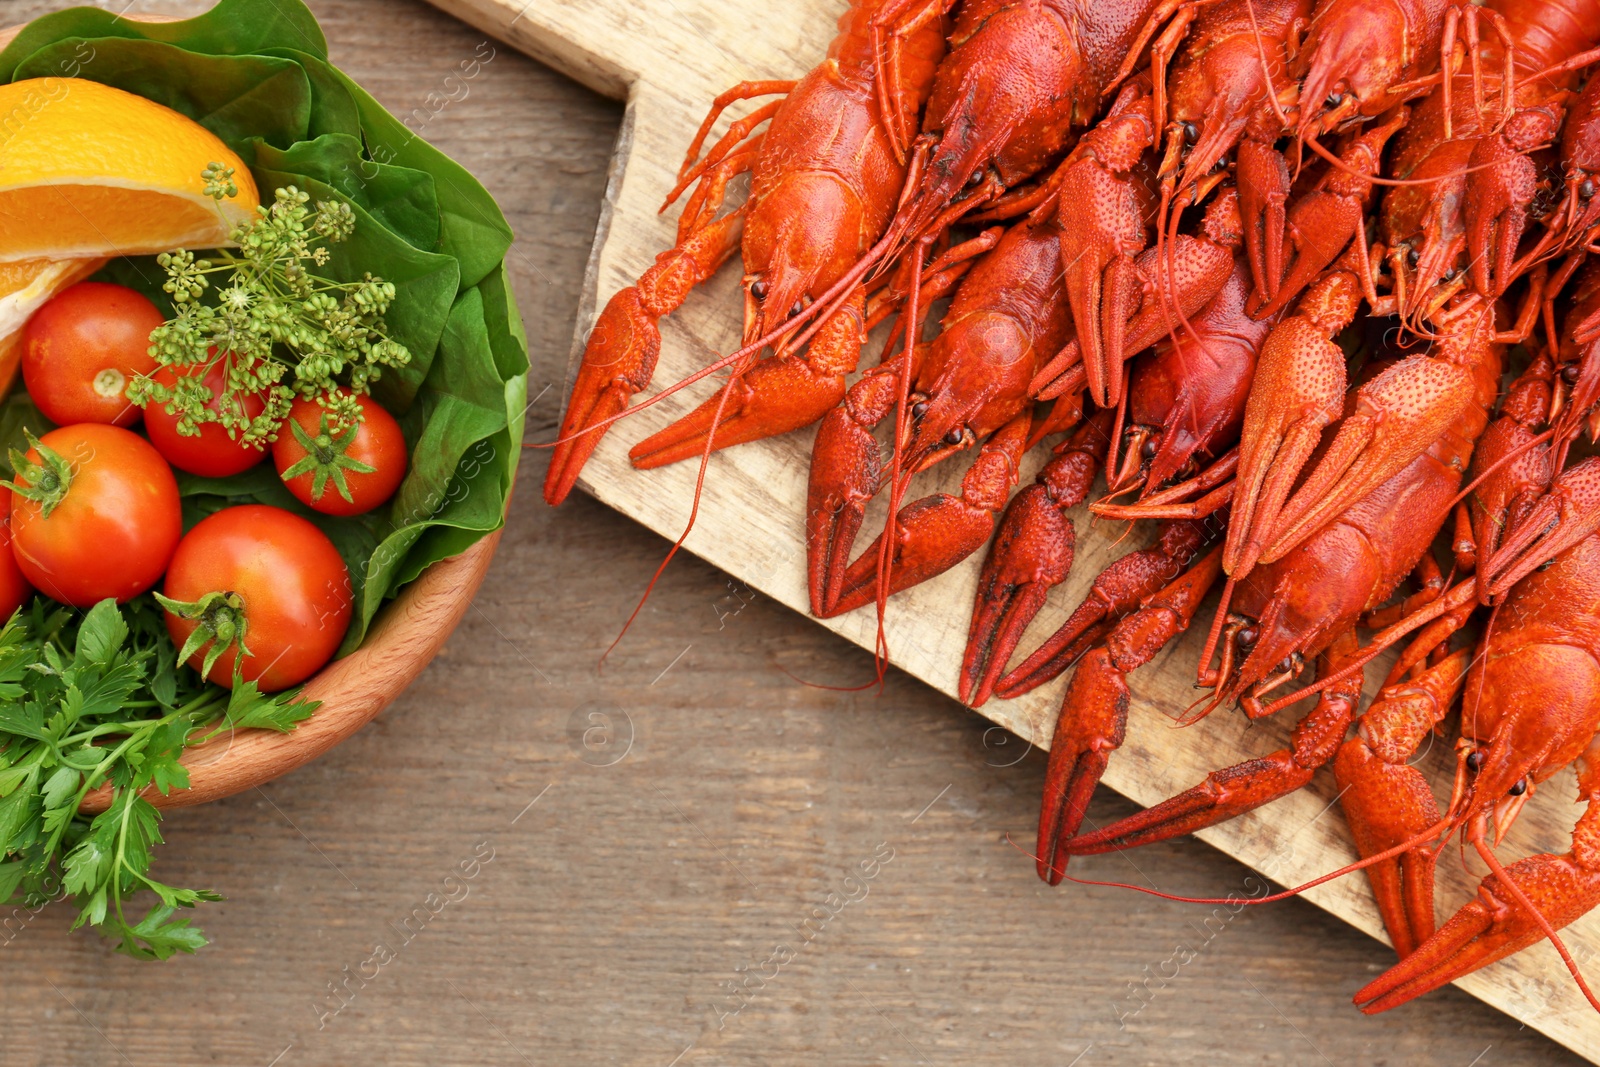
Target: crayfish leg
[
  {"x": 620, "y": 357},
  {"x": 1094, "y": 711},
  {"x": 1231, "y": 792},
  {"x": 1117, "y": 591},
  {"x": 1031, "y": 554},
  {"x": 1387, "y": 802}
]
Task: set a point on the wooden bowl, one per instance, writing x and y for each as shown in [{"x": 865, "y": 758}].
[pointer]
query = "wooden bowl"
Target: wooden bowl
[{"x": 403, "y": 639}]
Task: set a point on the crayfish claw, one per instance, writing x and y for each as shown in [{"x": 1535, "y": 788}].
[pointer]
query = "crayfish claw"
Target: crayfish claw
[
  {"x": 935, "y": 533},
  {"x": 1223, "y": 795},
  {"x": 618, "y": 362},
  {"x": 1488, "y": 928},
  {"x": 780, "y": 393},
  {"x": 846, "y": 469},
  {"x": 1092, "y": 724}
]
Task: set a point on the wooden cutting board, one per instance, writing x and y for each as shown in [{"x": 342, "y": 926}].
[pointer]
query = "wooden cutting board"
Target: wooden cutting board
[{"x": 668, "y": 58}]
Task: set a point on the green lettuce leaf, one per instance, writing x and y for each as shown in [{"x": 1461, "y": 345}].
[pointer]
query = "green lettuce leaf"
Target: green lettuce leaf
[
  {"x": 232, "y": 28},
  {"x": 238, "y": 98}
]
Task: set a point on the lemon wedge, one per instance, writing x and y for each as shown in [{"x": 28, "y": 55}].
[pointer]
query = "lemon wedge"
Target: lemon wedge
[{"x": 91, "y": 171}]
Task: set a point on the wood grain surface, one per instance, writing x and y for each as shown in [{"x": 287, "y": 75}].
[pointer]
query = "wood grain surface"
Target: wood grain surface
[
  {"x": 675, "y": 56},
  {"x": 659, "y": 828}
]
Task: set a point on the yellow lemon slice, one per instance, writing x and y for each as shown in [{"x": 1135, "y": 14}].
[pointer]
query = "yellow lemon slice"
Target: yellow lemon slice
[
  {"x": 24, "y": 287},
  {"x": 88, "y": 170}
]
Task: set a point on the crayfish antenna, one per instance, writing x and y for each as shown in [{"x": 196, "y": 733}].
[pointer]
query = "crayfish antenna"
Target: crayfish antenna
[
  {"x": 1432, "y": 833},
  {"x": 688, "y": 528}
]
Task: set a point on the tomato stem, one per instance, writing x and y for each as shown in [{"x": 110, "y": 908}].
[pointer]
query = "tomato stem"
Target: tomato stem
[
  {"x": 326, "y": 458},
  {"x": 220, "y": 621},
  {"x": 46, "y": 481}
]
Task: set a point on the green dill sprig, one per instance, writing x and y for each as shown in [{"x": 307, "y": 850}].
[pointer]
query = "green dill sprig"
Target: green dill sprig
[{"x": 278, "y": 328}]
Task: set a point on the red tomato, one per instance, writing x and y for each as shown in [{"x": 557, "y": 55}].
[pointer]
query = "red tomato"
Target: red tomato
[
  {"x": 82, "y": 348},
  {"x": 280, "y": 575},
  {"x": 114, "y": 517},
  {"x": 14, "y": 588},
  {"x": 211, "y": 454},
  {"x": 344, "y": 474}
]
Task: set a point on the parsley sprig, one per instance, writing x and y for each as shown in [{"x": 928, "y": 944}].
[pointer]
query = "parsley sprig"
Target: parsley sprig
[
  {"x": 278, "y": 328},
  {"x": 96, "y": 698}
]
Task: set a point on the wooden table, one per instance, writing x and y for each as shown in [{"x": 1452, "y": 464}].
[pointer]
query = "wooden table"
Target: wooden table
[{"x": 682, "y": 825}]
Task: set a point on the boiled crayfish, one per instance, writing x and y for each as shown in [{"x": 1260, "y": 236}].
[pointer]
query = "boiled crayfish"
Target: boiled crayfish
[{"x": 1307, "y": 281}]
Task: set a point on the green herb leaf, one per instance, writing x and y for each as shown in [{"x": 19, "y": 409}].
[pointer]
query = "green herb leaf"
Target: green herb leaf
[
  {"x": 24, "y": 720},
  {"x": 60, "y": 787},
  {"x": 14, "y": 813},
  {"x": 11, "y": 876},
  {"x": 249, "y": 708},
  {"x": 101, "y": 700},
  {"x": 86, "y": 866},
  {"x": 158, "y": 935},
  {"x": 102, "y": 633}
]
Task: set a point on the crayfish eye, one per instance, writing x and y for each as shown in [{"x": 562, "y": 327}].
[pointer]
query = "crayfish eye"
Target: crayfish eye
[
  {"x": 758, "y": 288},
  {"x": 1191, "y": 132},
  {"x": 1449, "y": 275},
  {"x": 1569, "y": 374},
  {"x": 977, "y": 176},
  {"x": 1586, "y": 189},
  {"x": 1413, "y": 255},
  {"x": 1475, "y": 760},
  {"x": 1334, "y": 100},
  {"x": 954, "y": 437},
  {"x": 919, "y": 409},
  {"x": 1149, "y": 448},
  {"x": 798, "y": 307},
  {"x": 1247, "y": 637},
  {"x": 1519, "y": 788}
]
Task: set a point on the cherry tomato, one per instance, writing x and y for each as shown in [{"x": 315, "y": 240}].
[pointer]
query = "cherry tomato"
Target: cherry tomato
[
  {"x": 274, "y": 576},
  {"x": 82, "y": 348},
  {"x": 211, "y": 453},
  {"x": 345, "y": 473},
  {"x": 113, "y": 516},
  {"x": 14, "y": 588}
]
